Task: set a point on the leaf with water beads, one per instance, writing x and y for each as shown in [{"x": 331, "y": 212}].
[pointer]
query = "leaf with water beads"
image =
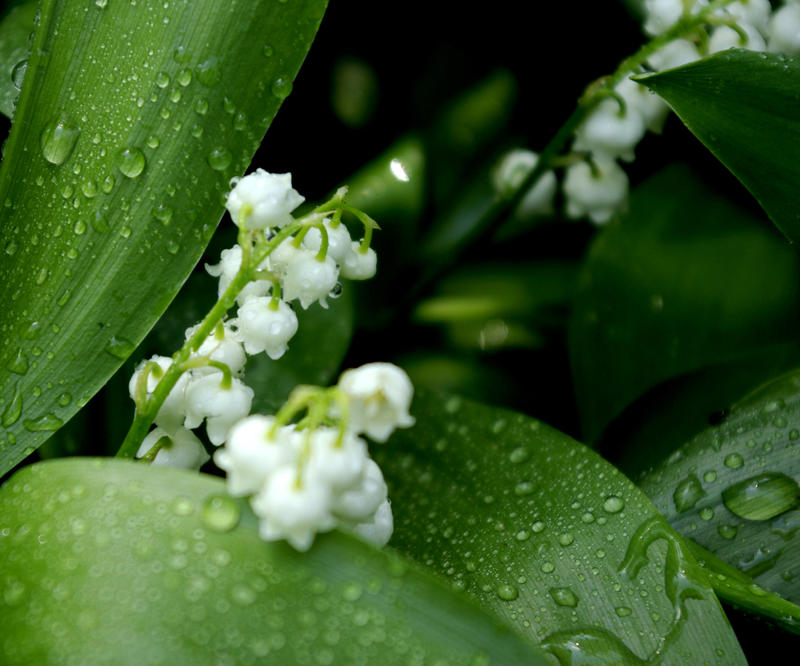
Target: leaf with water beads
[
  {"x": 110, "y": 561},
  {"x": 537, "y": 528}
]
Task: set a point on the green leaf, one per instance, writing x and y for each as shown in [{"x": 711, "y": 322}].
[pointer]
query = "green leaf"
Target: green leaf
[
  {"x": 743, "y": 106},
  {"x": 15, "y": 30},
  {"x": 733, "y": 488},
  {"x": 549, "y": 536},
  {"x": 686, "y": 280},
  {"x": 132, "y": 119},
  {"x": 106, "y": 561}
]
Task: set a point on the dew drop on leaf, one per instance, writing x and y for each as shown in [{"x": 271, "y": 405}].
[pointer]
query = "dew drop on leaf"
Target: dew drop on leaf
[
  {"x": 13, "y": 409},
  {"x": 120, "y": 347},
  {"x": 220, "y": 513},
  {"x": 507, "y": 592},
  {"x": 58, "y": 139},
  {"x": 45, "y": 423},
  {"x": 208, "y": 72},
  {"x": 761, "y": 497},
  {"x": 733, "y": 460},
  {"x": 687, "y": 493},
  {"x": 131, "y": 162},
  {"x": 563, "y": 596},
  {"x": 220, "y": 158},
  {"x": 18, "y": 73},
  {"x": 281, "y": 87},
  {"x": 19, "y": 364}
]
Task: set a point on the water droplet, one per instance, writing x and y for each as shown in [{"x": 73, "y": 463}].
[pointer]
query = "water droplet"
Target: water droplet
[
  {"x": 197, "y": 131},
  {"x": 13, "y": 409},
  {"x": 524, "y": 488},
  {"x": 64, "y": 399},
  {"x": 710, "y": 476},
  {"x": 352, "y": 592},
  {"x": 182, "y": 506},
  {"x": 706, "y": 513},
  {"x": 761, "y": 497},
  {"x": 19, "y": 364},
  {"x": 613, "y": 504},
  {"x": 131, "y": 162},
  {"x": 523, "y": 535},
  {"x": 220, "y": 513},
  {"x": 175, "y": 96},
  {"x": 220, "y": 158},
  {"x": 125, "y": 231},
  {"x": 18, "y": 73},
  {"x": 11, "y": 248},
  {"x": 727, "y": 531},
  {"x": 563, "y": 596},
  {"x": 162, "y": 79},
  {"x": 507, "y": 592},
  {"x": 184, "y": 77},
  {"x": 89, "y": 189},
  {"x": 687, "y": 493},
  {"x": 163, "y": 214},
  {"x": 201, "y": 106},
  {"x": 99, "y": 223},
  {"x": 108, "y": 184},
  {"x": 46, "y": 423},
  {"x": 547, "y": 567},
  {"x": 566, "y": 539},
  {"x": 537, "y": 527},
  {"x": 152, "y": 141},
  {"x": 173, "y": 247},
  {"x": 101, "y": 3},
  {"x": 208, "y": 72},
  {"x": 734, "y": 460},
  {"x": 80, "y": 227},
  {"x": 120, "y": 347},
  {"x": 281, "y": 87},
  {"x": 58, "y": 139},
  {"x": 268, "y": 50}
]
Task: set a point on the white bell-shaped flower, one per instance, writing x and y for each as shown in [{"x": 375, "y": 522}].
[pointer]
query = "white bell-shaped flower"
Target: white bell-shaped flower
[
  {"x": 338, "y": 240},
  {"x": 262, "y": 327},
  {"x": 784, "y": 30},
  {"x": 227, "y": 350},
  {"x": 380, "y": 395},
  {"x": 359, "y": 504},
  {"x": 754, "y": 12},
  {"x": 511, "y": 171},
  {"x": 173, "y": 410},
  {"x": 283, "y": 255},
  {"x": 268, "y": 198},
  {"x": 650, "y": 106},
  {"x": 308, "y": 279},
  {"x": 337, "y": 467},
  {"x": 183, "y": 451},
  {"x": 674, "y": 54},
  {"x": 378, "y": 530},
  {"x": 291, "y": 510},
  {"x": 358, "y": 265},
  {"x": 609, "y": 132},
  {"x": 251, "y": 454},
  {"x": 724, "y": 37},
  {"x": 220, "y": 407},
  {"x": 598, "y": 196},
  {"x": 230, "y": 261}
]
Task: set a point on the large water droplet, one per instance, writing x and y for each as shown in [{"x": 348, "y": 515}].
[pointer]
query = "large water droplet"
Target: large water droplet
[
  {"x": 507, "y": 592},
  {"x": 687, "y": 493},
  {"x": 19, "y": 364},
  {"x": 99, "y": 223},
  {"x": 13, "y": 409},
  {"x": 201, "y": 106},
  {"x": 220, "y": 158},
  {"x": 761, "y": 497},
  {"x": 734, "y": 460},
  {"x": 18, "y": 73},
  {"x": 131, "y": 162},
  {"x": 163, "y": 214},
  {"x": 281, "y": 87},
  {"x": 613, "y": 504},
  {"x": 220, "y": 513},
  {"x": 46, "y": 423},
  {"x": 120, "y": 347},
  {"x": 563, "y": 596},
  {"x": 58, "y": 139},
  {"x": 162, "y": 79},
  {"x": 208, "y": 72}
]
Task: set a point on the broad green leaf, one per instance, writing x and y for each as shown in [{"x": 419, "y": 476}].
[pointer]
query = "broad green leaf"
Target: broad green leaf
[
  {"x": 734, "y": 487},
  {"x": 113, "y": 562},
  {"x": 686, "y": 280},
  {"x": 15, "y": 29},
  {"x": 550, "y": 537},
  {"x": 132, "y": 119},
  {"x": 740, "y": 591},
  {"x": 743, "y": 106}
]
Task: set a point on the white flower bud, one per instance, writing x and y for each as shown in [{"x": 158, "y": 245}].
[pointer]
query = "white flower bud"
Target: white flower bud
[
  {"x": 338, "y": 240},
  {"x": 674, "y": 54},
  {"x": 784, "y": 30},
  {"x": 230, "y": 261},
  {"x": 283, "y": 255},
  {"x": 172, "y": 411},
  {"x": 605, "y": 132},
  {"x": 650, "y": 106},
  {"x": 292, "y": 511},
  {"x": 250, "y": 455},
  {"x": 337, "y": 467},
  {"x": 184, "y": 450},
  {"x": 268, "y": 199},
  {"x": 220, "y": 407},
  {"x": 360, "y": 503},
  {"x": 227, "y": 350},
  {"x": 380, "y": 395},
  {"x": 309, "y": 279},
  {"x": 358, "y": 265},
  {"x": 724, "y": 38},
  {"x": 512, "y": 170},
  {"x": 599, "y": 196},
  {"x": 262, "y": 328},
  {"x": 378, "y": 530}
]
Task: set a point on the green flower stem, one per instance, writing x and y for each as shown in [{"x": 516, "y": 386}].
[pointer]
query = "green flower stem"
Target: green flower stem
[{"x": 323, "y": 245}]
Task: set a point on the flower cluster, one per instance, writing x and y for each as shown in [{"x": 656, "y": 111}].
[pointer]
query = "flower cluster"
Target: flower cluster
[
  {"x": 597, "y": 186},
  {"x": 316, "y": 475}
]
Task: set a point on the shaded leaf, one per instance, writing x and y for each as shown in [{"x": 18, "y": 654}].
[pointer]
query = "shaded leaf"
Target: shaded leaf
[
  {"x": 743, "y": 106},
  {"x": 114, "y": 170},
  {"x": 686, "y": 280},
  {"x": 105, "y": 561},
  {"x": 549, "y": 536},
  {"x": 733, "y": 488},
  {"x": 15, "y": 30}
]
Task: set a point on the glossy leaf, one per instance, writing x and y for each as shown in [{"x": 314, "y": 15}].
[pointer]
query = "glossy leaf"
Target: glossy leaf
[
  {"x": 113, "y": 178},
  {"x": 686, "y": 280},
  {"x": 15, "y": 30},
  {"x": 743, "y": 106},
  {"x": 734, "y": 487},
  {"x": 550, "y": 537},
  {"x": 105, "y": 561}
]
